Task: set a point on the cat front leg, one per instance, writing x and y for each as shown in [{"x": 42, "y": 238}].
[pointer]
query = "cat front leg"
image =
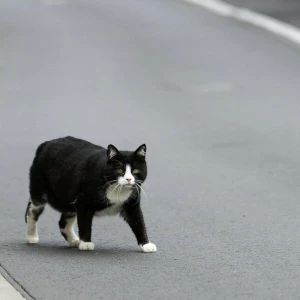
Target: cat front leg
[
  {"x": 133, "y": 215},
  {"x": 84, "y": 220}
]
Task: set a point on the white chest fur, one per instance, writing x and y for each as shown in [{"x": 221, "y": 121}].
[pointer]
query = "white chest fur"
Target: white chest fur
[
  {"x": 110, "y": 211},
  {"x": 118, "y": 195}
]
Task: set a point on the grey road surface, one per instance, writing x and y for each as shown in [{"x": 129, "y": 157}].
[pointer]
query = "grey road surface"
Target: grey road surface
[{"x": 217, "y": 103}]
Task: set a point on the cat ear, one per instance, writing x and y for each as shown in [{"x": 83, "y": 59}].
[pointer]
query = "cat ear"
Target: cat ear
[
  {"x": 112, "y": 151},
  {"x": 141, "y": 151}
]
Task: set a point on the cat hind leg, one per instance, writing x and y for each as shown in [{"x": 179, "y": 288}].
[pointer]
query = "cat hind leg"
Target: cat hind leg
[{"x": 34, "y": 209}]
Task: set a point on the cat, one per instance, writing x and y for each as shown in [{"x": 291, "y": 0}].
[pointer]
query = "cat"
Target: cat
[{"x": 82, "y": 180}]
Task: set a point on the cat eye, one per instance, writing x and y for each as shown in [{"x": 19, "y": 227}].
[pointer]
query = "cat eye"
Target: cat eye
[
  {"x": 120, "y": 171},
  {"x": 135, "y": 171}
]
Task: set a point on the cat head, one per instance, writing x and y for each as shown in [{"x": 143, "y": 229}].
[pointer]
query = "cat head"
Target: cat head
[{"x": 127, "y": 168}]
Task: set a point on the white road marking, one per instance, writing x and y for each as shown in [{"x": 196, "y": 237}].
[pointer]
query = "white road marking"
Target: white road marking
[
  {"x": 7, "y": 291},
  {"x": 277, "y": 27}
]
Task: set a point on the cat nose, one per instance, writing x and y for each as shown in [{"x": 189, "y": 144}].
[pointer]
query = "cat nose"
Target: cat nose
[{"x": 128, "y": 179}]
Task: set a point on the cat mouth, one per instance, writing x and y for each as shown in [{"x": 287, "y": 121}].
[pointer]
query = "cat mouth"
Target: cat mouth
[{"x": 128, "y": 185}]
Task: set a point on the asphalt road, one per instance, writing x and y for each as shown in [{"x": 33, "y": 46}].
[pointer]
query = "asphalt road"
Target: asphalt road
[{"x": 217, "y": 103}]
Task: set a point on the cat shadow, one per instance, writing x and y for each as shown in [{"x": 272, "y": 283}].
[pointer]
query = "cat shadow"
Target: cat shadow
[{"x": 55, "y": 250}]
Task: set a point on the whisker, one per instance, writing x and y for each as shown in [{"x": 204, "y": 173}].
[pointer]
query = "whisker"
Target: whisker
[
  {"x": 107, "y": 183},
  {"x": 137, "y": 201},
  {"x": 138, "y": 191},
  {"x": 145, "y": 185},
  {"x": 146, "y": 188},
  {"x": 115, "y": 188},
  {"x": 118, "y": 192},
  {"x": 139, "y": 185},
  {"x": 142, "y": 182}
]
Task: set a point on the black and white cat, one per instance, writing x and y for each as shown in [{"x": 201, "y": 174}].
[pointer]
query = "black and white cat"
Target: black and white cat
[{"x": 82, "y": 180}]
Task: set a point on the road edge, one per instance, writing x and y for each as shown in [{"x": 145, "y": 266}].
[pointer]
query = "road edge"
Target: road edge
[
  {"x": 265, "y": 22},
  {"x": 14, "y": 284}
]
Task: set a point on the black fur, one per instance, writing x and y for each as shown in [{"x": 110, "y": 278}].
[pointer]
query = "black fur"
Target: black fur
[{"x": 72, "y": 175}]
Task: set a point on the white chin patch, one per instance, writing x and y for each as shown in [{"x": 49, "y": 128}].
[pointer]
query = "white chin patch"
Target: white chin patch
[
  {"x": 86, "y": 246},
  {"x": 149, "y": 248}
]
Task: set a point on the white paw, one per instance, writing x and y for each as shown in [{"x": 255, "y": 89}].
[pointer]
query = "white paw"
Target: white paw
[
  {"x": 32, "y": 239},
  {"x": 74, "y": 243},
  {"x": 148, "y": 247},
  {"x": 86, "y": 246}
]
